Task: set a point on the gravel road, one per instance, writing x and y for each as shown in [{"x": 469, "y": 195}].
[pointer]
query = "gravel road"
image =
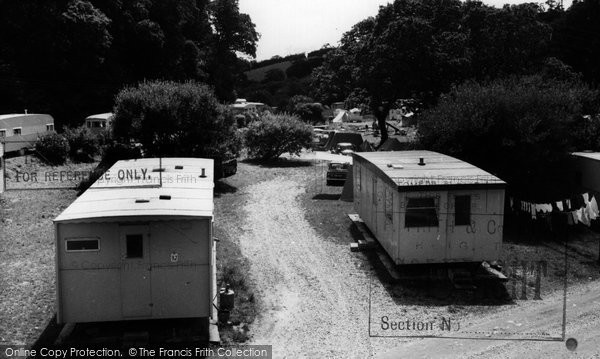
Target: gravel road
[{"x": 313, "y": 292}]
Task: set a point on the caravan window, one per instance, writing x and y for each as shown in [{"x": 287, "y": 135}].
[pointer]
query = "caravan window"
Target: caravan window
[
  {"x": 82, "y": 244},
  {"x": 50, "y": 127},
  {"x": 462, "y": 210},
  {"x": 2, "y": 133},
  {"x": 17, "y": 131},
  {"x": 135, "y": 245},
  {"x": 421, "y": 212}
]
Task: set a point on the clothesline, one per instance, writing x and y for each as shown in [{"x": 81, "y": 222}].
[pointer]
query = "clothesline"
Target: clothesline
[{"x": 579, "y": 209}]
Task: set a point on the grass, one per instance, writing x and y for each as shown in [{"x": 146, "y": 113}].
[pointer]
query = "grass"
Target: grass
[
  {"x": 260, "y": 73},
  {"x": 27, "y": 279}
]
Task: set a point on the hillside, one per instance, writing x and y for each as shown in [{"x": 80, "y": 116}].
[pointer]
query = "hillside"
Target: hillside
[{"x": 258, "y": 74}]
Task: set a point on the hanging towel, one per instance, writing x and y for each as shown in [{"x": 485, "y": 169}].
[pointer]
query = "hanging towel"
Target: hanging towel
[
  {"x": 574, "y": 217},
  {"x": 559, "y": 205},
  {"x": 594, "y": 206},
  {"x": 590, "y": 212},
  {"x": 568, "y": 202},
  {"x": 585, "y": 217},
  {"x": 578, "y": 215},
  {"x": 586, "y": 198}
]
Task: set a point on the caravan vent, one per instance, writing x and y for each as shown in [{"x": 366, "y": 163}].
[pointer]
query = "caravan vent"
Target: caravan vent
[
  {"x": 142, "y": 200},
  {"x": 203, "y": 175},
  {"x": 178, "y": 167},
  {"x": 395, "y": 166},
  {"x": 157, "y": 169},
  {"x": 164, "y": 196}
]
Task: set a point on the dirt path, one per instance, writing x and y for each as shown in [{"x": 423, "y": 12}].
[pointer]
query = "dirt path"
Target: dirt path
[
  {"x": 583, "y": 324},
  {"x": 314, "y": 300}
]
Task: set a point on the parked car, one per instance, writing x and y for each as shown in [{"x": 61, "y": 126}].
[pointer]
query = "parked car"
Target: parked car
[
  {"x": 337, "y": 173},
  {"x": 342, "y": 146}
]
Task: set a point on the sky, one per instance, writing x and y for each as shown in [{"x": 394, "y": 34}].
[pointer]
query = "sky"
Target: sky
[{"x": 294, "y": 26}]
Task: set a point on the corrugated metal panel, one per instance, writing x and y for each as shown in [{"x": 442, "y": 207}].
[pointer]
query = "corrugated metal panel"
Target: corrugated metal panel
[
  {"x": 403, "y": 170},
  {"x": 135, "y": 187}
]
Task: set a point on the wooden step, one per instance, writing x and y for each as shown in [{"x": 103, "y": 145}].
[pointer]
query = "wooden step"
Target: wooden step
[{"x": 368, "y": 241}]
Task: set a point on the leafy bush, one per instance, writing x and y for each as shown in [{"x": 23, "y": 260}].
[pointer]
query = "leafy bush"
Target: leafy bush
[
  {"x": 52, "y": 148},
  {"x": 175, "y": 119},
  {"x": 274, "y": 135},
  {"x": 83, "y": 144},
  {"x": 521, "y": 129}
]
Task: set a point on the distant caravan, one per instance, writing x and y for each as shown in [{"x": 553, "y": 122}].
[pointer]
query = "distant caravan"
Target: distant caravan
[
  {"x": 99, "y": 122},
  {"x": 19, "y": 132}
]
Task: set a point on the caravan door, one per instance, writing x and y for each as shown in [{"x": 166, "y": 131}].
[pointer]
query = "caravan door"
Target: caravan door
[{"x": 136, "y": 271}]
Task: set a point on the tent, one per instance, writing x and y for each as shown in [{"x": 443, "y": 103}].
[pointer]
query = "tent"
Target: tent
[{"x": 341, "y": 117}]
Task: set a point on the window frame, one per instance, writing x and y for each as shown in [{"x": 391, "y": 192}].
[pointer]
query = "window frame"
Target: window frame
[
  {"x": 469, "y": 212},
  {"x": 141, "y": 235},
  {"x": 75, "y": 239},
  {"x": 2, "y": 133},
  {"x": 20, "y": 131},
  {"x": 49, "y": 127},
  {"x": 435, "y": 208}
]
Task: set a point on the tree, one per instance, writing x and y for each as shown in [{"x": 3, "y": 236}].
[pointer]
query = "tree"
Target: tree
[
  {"x": 310, "y": 112},
  {"x": 421, "y": 48},
  {"x": 576, "y": 38},
  {"x": 519, "y": 128},
  {"x": 176, "y": 119},
  {"x": 274, "y": 135},
  {"x": 234, "y": 33},
  {"x": 70, "y": 58}
]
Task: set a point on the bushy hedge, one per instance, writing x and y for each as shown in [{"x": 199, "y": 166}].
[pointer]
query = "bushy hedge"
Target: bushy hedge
[
  {"x": 52, "y": 148},
  {"x": 274, "y": 135},
  {"x": 175, "y": 119},
  {"x": 84, "y": 145}
]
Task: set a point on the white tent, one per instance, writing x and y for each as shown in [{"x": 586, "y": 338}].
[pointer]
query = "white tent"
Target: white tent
[{"x": 340, "y": 118}]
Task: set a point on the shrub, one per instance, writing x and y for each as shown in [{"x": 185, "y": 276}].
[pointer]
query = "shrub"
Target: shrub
[
  {"x": 83, "y": 144},
  {"x": 52, "y": 148},
  {"x": 521, "y": 129},
  {"x": 175, "y": 119},
  {"x": 274, "y": 135}
]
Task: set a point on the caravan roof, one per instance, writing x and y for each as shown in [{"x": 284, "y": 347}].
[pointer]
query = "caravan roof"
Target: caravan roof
[
  {"x": 402, "y": 169},
  {"x": 147, "y": 187},
  {"x": 28, "y": 119},
  {"x": 101, "y": 116}
]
